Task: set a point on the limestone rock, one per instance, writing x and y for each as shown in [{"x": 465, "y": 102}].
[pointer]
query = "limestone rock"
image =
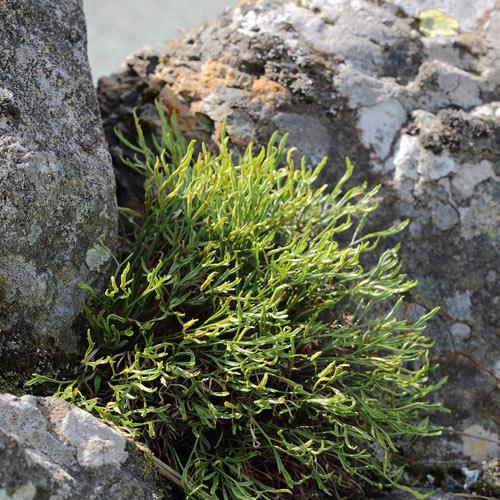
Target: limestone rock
[
  {"x": 50, "y": 449},
  {"x": 57, "y": 191},
  {"x": 420, "y": 115}
]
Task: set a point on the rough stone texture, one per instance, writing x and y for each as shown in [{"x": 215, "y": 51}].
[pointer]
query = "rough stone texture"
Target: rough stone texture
[
  {"x": 50, "y": 449},
  {"x": 57, "y": 191},
  {"x": 420, "y": 115}
]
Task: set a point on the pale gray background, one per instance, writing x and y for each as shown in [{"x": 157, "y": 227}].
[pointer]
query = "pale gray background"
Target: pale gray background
[{"x": 118, "y": 27}]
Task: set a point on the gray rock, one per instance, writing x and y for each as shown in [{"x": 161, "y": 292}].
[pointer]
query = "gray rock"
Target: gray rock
[
  {"x": 419, "y": 115},
  {"x": 50, "y": 449},
  {"x": 57, "y": 189}
]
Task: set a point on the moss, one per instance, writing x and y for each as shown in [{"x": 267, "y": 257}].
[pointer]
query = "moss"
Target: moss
[
  {"x": 489, "y": 480},
  {"x": 12, "y": 382}
]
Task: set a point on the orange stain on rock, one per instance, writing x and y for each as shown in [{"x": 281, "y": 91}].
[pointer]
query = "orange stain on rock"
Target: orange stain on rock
[
  {"x": 264, "y": 85},
  {"x": 213, "y": 74},
  {"x": 267, "y": 90},
  {"x": 189, "y": 88}
]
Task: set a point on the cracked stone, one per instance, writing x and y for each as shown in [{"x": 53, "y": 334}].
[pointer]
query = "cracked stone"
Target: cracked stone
[{"x": 48, "y": 447}]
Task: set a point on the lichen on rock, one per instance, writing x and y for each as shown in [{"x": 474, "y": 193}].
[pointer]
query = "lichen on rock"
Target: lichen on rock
[
  {"x": 57, "y": 188},
  {"x": 49, "y": 449}
]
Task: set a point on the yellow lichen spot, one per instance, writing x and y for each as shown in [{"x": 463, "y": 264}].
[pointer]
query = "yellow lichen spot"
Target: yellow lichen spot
[{"x": 433, "y": 22}]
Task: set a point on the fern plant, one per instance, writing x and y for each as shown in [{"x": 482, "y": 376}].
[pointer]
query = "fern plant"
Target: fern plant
[{"x": 242, "y": 337}]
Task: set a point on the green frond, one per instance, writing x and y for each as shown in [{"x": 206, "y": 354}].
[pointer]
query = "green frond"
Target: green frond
[{"x": 244, "y": 339}]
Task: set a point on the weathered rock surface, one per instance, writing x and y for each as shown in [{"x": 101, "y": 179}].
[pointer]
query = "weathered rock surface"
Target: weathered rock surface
[
  {"x": 57, "y": 191},
  {"x": 50, "y": 449},
  {"x": 420, "y": 115}
]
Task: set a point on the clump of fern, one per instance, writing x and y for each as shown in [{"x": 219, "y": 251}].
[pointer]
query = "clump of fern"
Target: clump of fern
[{"x": 242, "y": 337}]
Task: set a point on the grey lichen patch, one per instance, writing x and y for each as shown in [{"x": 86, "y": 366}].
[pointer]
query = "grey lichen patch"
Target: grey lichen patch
[
  {"x": 26, "y": 491},
  {"x": 379, "y": 125},
  {"x": 308, "y": 133},
  {"x": 444, "y": 215},
  {"x": 480, "y": 444},
  {"x": 481, "y": 214},
  {"x": 469, "y": 175},
  {"x": 97, "y": 258},
  {"x": 35, "y": 232},
  {"x": 461, "y": 332},
  {"x": 96, "y": 443}
]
